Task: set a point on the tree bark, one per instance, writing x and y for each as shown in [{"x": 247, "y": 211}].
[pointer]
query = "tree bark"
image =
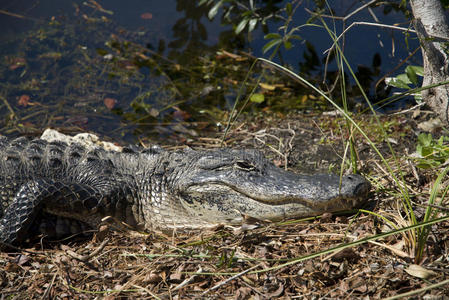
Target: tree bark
[{"x": 430, "y": 20}]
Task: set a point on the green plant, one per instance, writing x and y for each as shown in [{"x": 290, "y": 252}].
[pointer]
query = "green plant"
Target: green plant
[
  {"x": 249, "y": 15},
  {"x": 408, "y": 80},
  {"x": 432, "y": 153},
  {"x": 431, "y": 213}
]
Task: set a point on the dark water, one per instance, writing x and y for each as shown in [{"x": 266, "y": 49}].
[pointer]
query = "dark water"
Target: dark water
[{"x": 128, "y": 69}]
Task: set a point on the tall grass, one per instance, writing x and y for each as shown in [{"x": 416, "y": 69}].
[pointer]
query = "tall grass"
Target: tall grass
[{"x": 416, "y": 233}]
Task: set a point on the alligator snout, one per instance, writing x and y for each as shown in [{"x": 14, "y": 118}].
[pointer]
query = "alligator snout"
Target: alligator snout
[{"x": 356, "y": 185}]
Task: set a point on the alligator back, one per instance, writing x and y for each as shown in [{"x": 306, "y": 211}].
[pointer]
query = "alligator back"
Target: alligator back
[
  {"x": 66, "y": 180},
  {"x": 22, "y": 160}
]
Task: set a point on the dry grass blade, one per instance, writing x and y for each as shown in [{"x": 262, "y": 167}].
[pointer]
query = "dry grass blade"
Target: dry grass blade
[
  {"x": 215, "y": 287},
  {"x": 418, "y": 291}
]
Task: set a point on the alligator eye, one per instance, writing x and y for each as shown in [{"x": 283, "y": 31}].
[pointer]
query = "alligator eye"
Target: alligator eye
[{"x": 244, "y": 165}]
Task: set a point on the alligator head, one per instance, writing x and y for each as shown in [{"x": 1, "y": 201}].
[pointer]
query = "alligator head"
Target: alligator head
[{"x": 223, "y": 185}]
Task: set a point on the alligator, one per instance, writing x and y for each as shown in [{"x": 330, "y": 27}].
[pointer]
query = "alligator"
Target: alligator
[{"x": 154, "y": 189}]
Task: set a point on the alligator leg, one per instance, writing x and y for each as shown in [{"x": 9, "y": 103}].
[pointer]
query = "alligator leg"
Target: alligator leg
[{"x": 35, "y": 195}]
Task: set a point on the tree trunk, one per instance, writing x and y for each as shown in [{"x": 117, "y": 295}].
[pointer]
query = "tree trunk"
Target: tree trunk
[{"x": 430, "y": 20}]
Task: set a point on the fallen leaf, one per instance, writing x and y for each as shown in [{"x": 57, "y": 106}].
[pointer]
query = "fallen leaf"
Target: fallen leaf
[
  {"x": 146, "y": 16},
  {"x": 278, "y": 162},
  {"x": 110, "y": 102},
  {"x": 361, "y": 289},
  {"x": 153, "y": 278},
  {"x": 231, "y": 81},
  {"x": 231, "y": 55},
  {"x": 181, "y": 115},
  {"x": 176, "y": 277},
  {"x": 153, "y": 112},
  {"x": 22, "y": 259},
  {"x": 267, "y": 86},
  {"x": 28, "y": 124},
  {"x": 78, "y": 120},
  {"x": 420, "y": 272},
  {"x": 242, "y": 293},
  {"x": 257, "y": 98},
  {"x": 17, "y": 62},
  {"x": 143, "y": 56},
  {"x": 11, "y": 267},
  {"x": 24, "y": 100},
  {"x": 226, "y": 54},
  {"x": 107, "y": 274},
  {"x": 96, "y": 5},
  {"x": 277, "y": 292},
  {"x": 102, "y": 233},
  {"x": 430, "y": 125},
  {"x": 326, "y": 217}
]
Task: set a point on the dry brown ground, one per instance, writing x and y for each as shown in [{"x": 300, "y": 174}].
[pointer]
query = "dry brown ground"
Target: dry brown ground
[{"x": 256, "y": 260}]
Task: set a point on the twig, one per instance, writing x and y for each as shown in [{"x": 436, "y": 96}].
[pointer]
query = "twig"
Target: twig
[
  {"x": 47, "y": 291},
  {"x": 391, "y": 248},
  {"x": 253, "y": 289},
  {"x": 358, "y": 9},
  {"x": 187, "y": 280},
  {"x": 4, "y": 245},
  {"x": 229, "y": 280},
  {"x": 8, "y": 106},
  {"x": 383, "y": 26},
  {"x": 408, "y": 109},
  {"x": 16, "y": 15},
  {"x": 85, "y": 258},
  {"x": 146, "y": 290}
]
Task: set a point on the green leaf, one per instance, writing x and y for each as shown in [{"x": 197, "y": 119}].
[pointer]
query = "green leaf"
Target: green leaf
[
  {"x": 271, "y": 36},
  {"x": 404, "y": 78},
  {"x": 294, "y": 36},
  {"x": 214, "y": 10},
  {"x": 241, "y": 26},
  {"x": 424, "y": 139},
  {"x": 419, "y": 150},
  {"x": 418, "y": 70},
  {"x": 271, "y": 44},
  {"x": 426, "y": 151},
  {"x": 257, "y": 98},
  {"x": 252, "y": 24},
  {"x": 202, "y": 2},
  {"x": 289, "y": 9},
  {"x": 424, "y": 164},
  {"x": 433, "y": 152},
  {"x": 418, "y": 98},
  {"x": 287, "y": 45},
  {"x": 411, "y": 74},
  {"x": 398, "y": 83},
  {"x": 227, "y": 14}
]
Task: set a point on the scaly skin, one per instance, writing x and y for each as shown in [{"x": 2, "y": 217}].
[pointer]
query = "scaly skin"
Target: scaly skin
[{"x": 155, "y": 189}]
